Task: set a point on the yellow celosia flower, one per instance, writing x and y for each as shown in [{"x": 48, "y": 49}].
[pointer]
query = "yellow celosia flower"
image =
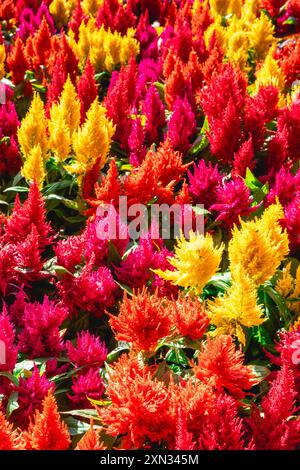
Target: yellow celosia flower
[
  {"x": 60, "y": 10},
  {"x": 60, "y": 136},
  {"x": 261, "y": 36},
  {"x": 270, "y": 73},
  {"x": 218, "y": 31},
  {"x": 104, "y": 48},
  {"x": 285, "y": 284},
  {"x": 33, "y": 128},
  {"x": 2, "y": 60},
  {"x": 224, "y": 7},
  {"x": 259, "y": 246},
  {"x": 238, "y": 308},
  {"x": 68, "y": 106},
  {"x": 91, "y": 7},
  {"x": 289, "y": 287},
  {"x": 237, "y": 49},
  {"x": 249, "y": 13},
  {"x": 109, "y": 49},
  {"x": 92, "y": 139},
  {"x": 196, "y": 260},
  {"x": 33, "y": 168}
]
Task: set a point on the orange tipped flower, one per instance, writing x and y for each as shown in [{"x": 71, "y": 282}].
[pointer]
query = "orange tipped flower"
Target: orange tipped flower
[
  {"x": 7, "y": 435},
  {"x": 47, "y": 431},
  {"x": 190, "y": 318},
  {"x": 221, "y": 365},
  {"x": 142, "y": 321},
  {"x": 90, "y": 441}
]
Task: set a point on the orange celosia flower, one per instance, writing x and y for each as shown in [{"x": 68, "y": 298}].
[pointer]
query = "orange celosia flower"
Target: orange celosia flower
[
  {"x": 140, "y": 404},
  {"x": 221, "y": 365},
  {"x": 7, "y": 435},
  {"x": 90, "y": 441},
  {"x": 142, "y": 320},
  {"x": 189, "y": 317},
  {"x": 47, "y": 431}
]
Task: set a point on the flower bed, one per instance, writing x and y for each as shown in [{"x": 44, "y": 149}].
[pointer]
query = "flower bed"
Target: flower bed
[{"x": 150, "y": 224}]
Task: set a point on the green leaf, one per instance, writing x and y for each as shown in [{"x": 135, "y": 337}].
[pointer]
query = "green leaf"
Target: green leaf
[
  {"x": 99, "y": 402},
  {"x": 67, "y": 202},
  {"x": 10, "y": 377},
  {"x": 115, "y": 353},
  {"x": 177, "y": 356},
  {"x": 84, "y": 413},
  {"x": 17, "y": 189},
  {"x": 75, "y": 426},
  {"x": 12, "y": 403}
]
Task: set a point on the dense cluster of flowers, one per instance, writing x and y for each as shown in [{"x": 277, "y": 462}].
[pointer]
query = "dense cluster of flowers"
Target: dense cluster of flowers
[{"x": 184, "y": 343}]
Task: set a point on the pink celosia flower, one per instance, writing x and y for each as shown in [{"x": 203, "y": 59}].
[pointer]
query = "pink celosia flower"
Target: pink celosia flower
[
  {"x": 8, "y": 350},
  {"x": 153, "y": 109},
  {"x": 182, "y": 125},
  {"x": 89, "y": 350},
  {"x": 234, "y": 200},
  {"x": 203, "y": 183},
  {"x": 86, "y": 385},
  {"x": 40, "y": 336},
  {"x": 31, "y": 392}
]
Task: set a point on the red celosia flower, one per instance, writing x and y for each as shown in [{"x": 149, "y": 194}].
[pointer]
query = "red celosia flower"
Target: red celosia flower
[
  {"x": 28, "y": 257},
  {"x": 221, "y": 365},
  {"x": 8, "y": 350},
  {"x": 272, "y": 6},
  {"x": 286, "y": 187},
  {"x": 19, "y": 225},
  {"x": 16, "y": 310},
  {"x": 61, "y": 49},
  {"x": 89, "y": 350},
  {"x": 88, "y": 384},
  {"x": 243, "y": 158},
  {"x": 31, "y": 393},
  {"x": 136, "y": 143},
  {"x": 142, "y": 320},
  {"x": 177, "y": 85},
  {"x": 55, "y": 88},
  {"x": 90, "y": 441},
  {"x": 222, "y": 428},
  {"x": 109, "y": 190},
  {"x": 40, "y": 336},
  {"x": 69, "y": 252},
  {"x": 273, "y": 428},
  {"x": 153, "y": 109},
  {"x": 184, "y": 439},
  {"x": 140, "y": 404},
  {"x": 116, "y": 16},
  {"x": 8, "y": 437},
  {"x": 92, "y": 291},
  {"x": 289, "y": 121},
  {"x": 182, "y": 125},
  {"x": 47, "y": 431},
  {"x": 223, "y": 101},
  {"x": 78, "y": 17},
  {"x": 292, "y": 222},
  {"x": 189, "y": 317},
  {"x": 203, "y": 183},
  {"x": 234, "y": 200},
  {"x": 17, "y": 62},
  {"x": 120, "y": 99},
  {"x": 87, "y": 89},
  {"x": 38, "y": 47}
]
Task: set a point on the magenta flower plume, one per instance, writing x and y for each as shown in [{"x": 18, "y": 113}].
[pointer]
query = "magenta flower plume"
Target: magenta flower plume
[
  {"x": 40, "y": 336},
  {"x": 88, "y": 384},
  {"x": 182, "y": 125},
  {"x": 203, "y": 183},
  {"x": 31, "y": 392},
  {"x": 8, "y": 349},
  {"x": 89, "y": 350},
  {"x": 234, "y": 201},
  {"x": 286, "y": 187},
  {"x": 136, "y": 143},
  {"x": 273, "y": 429},
  {"x": 153, "y": 109}
]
